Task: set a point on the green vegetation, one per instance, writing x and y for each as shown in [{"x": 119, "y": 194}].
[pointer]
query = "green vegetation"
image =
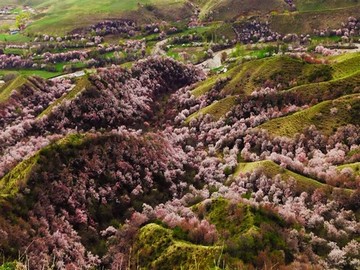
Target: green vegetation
[
  {"x": 354, "y": 166},
  {"x": 5, "y": 90},
  {"x": 17, "y": 177},
  {"x": 31, "y": 72},
  {"x": 14, "y": 51},
  {"x": 81, "y": 84},
  {"x": 227, "y": 9},
  {"x": 327, "y": 116},
  {"x": 247, "y": 230},
  {"x": 314, "y": 5},
  {"x": 19, "y": 38},
  {"x": 345, "y": 65},
  {"x": 205, "y": 86},
  {"x": 271, "y": 169},
  {"x": 216, "y": 110},
  {"x": 255, "y": 73},
  {"x": 8, "y": 266},
  {"x": 247, "y": 77},
  {"x": 156, "y": 248},
  {"x": 304, "y": 22},
  {"x": 64, "y": 16}
]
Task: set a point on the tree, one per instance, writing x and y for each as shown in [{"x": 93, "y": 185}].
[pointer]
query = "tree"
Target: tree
[{"x": 22, "y": 19}]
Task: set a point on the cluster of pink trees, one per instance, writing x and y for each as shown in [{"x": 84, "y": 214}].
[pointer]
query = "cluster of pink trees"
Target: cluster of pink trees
[
  {"x": 126, "y": 27},
  {"x": 18, "y": 114},
  {"x": 347, "y": 30},
  {"x": 65, "y": 56},
  {"x": 119, "y": 170},
  {"x": 82, "y": 190},
  {"x": 127, "y": 97},
  {"x": 254, "y": 31},
  {"x": 14, "y": 61}
]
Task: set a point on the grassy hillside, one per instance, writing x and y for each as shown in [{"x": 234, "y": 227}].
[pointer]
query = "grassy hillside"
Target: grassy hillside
[
  {"x": 248, "y": 76},
  {"x": 271, "y": 169},
  {"x": 345, "y": 65},
  {"x": 354, "y": 166},
  {"x": 256, "y": 73},
  {"x": 31, "y": 72},
  {"x": 217, "y": 109},
  {"x": 327, "y": 116},
  {"x": 232, "y": 9},
  {"x": 18, "y": 176},
  {"x": 245, "y": 231},
  {"x": 62, "y": 16},
  {"x": 305, "y": 22},
  {"x": 5, "y": 90},
  {"x": 312, "y": 5},
  {"x": 81, "y": 84},
  {"x": 156, "y": 247}
]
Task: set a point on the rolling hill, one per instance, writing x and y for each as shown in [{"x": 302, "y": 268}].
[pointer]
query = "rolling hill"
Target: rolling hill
[
  {"x": 60, "y": 17},
  {"x": 197, "y": 138}
]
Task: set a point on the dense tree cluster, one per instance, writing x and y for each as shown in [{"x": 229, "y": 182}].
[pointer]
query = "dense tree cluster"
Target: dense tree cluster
[
  {"x": 114, "y": 27},
  {"x": 254, "y": 31},
  {"x": 14, "y": 61},
  {"x": 347, "y": 31},
  {"x": 92, "y": 191}
]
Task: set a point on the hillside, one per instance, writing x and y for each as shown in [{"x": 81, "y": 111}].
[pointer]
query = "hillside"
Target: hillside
[
  {"x": 170, "y": 134},
  {"x": 72, "y": 14}
]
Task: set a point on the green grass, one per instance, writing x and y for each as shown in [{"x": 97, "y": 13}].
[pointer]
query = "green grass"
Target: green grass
[
  {"x": 63, "y": 16},
  {"x": 216, "y": 110},
  {"x": 246, "y": 230},
  {"x": 60, "y": 66},
  {"x": 32, "y": 72},
  {"x": 271, "y": 169},
  {"x": 17, "y": 177},
  {"x": 314, "y": 81},
  {"x": 319, "y": 115},
  {"x": 155, "y": 247},
  {"x": 304, "y": 22},
  {"x": 346, "y": 65},
  {"x": 14, "y": 51},
  {"x": 8, "y": 266},
  {"x": 277, "y": 69},
  {"x": 18, "y": 38},
  {"x": 5, "y": 90},
  {"x": 316, "y": 5},
  {"x": 81, "y": 84},
  {"x": 205, "y": 86},
  {"x": 227, "y": 9},
  {"x": 354, "y": 166}
]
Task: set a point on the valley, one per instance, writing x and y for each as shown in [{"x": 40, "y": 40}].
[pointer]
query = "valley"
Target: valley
[{"x": 173, "y": 134}]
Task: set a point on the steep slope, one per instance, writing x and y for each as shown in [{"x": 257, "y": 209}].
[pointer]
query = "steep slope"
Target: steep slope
[
  {"x": 116, "y": 161},
  {"x": 5, "y": 90}
]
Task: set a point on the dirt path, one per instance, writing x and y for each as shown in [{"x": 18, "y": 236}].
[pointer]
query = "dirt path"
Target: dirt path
[
  {"x": 158, "y": 50},
  {"x": 215, "y": 61}
]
